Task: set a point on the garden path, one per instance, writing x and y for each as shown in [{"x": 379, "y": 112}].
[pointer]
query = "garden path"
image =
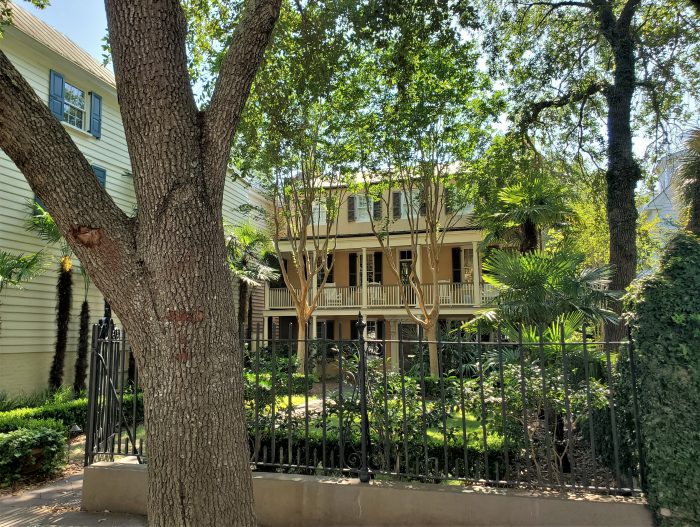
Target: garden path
[{"x": 58, "y": 503}]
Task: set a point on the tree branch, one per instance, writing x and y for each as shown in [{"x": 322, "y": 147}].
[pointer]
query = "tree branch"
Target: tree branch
[
  {"x": 99, "y": 233},
  {"x": 532, "y": 112},
  {"x": 244, "y": 55}
]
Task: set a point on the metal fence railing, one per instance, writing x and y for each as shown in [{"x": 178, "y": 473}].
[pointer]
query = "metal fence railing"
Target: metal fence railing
[{"x": 534, "y": 407}]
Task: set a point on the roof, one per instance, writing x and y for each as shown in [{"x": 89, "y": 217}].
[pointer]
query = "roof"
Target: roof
[{"x": 59, "y": 43}]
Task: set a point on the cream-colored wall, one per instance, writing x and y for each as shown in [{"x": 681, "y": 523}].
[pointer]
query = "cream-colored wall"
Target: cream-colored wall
[
  {"x": 345, "y": 227},
  {"x": 27, "y": 316}
]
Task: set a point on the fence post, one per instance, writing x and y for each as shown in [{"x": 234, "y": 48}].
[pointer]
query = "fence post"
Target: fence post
[{"x": 364, "y": 432}]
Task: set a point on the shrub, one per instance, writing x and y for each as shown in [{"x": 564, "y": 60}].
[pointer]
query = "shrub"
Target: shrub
[
  {"x": 37, "y": 449},
  {"x": 67, "y": 412},
  {"x": 666, "y": 327},
  {"x": 14, "y": 422}
]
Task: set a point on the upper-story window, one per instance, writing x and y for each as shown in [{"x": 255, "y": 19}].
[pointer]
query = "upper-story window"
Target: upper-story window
[
  {"x": 359, "y": 208},
  {"x": 69, "y": 103},
  {"x": 73, "y": 105},
  {"x": 318, "y": 213}
]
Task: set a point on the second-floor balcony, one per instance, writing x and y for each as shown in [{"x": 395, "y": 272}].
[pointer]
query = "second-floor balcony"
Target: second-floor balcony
[{"x": 391, "y": 296}]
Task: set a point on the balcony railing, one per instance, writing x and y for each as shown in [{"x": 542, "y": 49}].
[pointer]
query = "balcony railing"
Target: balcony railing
[
  {"x": 450, "y": 294},
  {"x": 332, "y": 296}
]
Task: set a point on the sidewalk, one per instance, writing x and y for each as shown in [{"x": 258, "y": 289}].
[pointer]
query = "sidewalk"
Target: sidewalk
[{"x": 58, "y": 504}]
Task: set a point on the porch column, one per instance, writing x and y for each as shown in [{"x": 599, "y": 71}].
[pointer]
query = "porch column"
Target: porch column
[
  {"x": 266, "y": 322},
  {"x": 314, "y": 327},
  {"x": 266, "y": 290},
  {"x": 394, "y": 345},
  {"x": 363, "y": 278},
  {"x": 476, "y": 273}
]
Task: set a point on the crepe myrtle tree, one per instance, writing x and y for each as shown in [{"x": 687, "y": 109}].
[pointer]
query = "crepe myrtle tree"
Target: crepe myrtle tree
[
  {"x": 164, "y": 271},
  {"x": 305, "y": 216},
  {"x": 421, "y": 122}
]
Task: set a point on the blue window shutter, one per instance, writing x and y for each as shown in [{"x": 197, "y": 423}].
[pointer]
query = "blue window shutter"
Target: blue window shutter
[
  {"x": 95, "y": 115},
  {"x": 100, "y": 174},
  {"x": 56, "y": 94}
]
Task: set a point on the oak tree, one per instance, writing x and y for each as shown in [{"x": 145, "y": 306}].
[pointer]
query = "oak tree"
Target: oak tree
[
  {"x": 585, "y": 76},
  {"x": 163, "y": 271}
]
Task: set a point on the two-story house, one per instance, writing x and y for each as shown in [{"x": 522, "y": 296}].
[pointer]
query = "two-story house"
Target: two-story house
[
  {"x": 82, "y": 94},
  {"x": 361, "y": 278}
]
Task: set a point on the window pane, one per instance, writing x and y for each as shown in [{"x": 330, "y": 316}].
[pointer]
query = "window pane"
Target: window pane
[{"x": 74, "y": 96}]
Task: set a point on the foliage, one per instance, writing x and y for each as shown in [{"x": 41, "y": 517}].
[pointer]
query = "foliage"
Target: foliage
[
  {"x": 81, "y": 360},
  {"x": 687, "y": 180},
  {"x": 11, "y": 423},
  {"x": 38, "y": 449},
  {"x": 16, "y": 269},
  {"x": 541, "y": 287},
  {"x": 560, "y": 52},
  {"x": 68, "y": 412},
  {"x": 524, "y": 209},
  {"x": 665, "y": 323},
  {"x": 248, "y": 249}
]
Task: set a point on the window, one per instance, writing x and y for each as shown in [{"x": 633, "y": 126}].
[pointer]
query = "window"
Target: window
[
  {"x": 68, "y": 103},
  {"x": 73, "y": 105},
  {"x": 318, "y": 213},
  {"x": 359, "y": 208},
  {"x": 405, "y": 261}
]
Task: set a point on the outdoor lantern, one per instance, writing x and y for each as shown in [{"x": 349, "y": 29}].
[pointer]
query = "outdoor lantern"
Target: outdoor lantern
[{"x": 75, "y": 430}]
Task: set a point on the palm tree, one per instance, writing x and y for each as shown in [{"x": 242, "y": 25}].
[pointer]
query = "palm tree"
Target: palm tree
[
  {"x": 688, "y": 180},
  {"x": 41, "y": 222},
  {"x": 17, "y": 269},
  {"x": 540, "y": 288},
  {"x": 523, "y": 210},
  {"x": 248, "y": 250},
  {"x": 81, "y": 360}
]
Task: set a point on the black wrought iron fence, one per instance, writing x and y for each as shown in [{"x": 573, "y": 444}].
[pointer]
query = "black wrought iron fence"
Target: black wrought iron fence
[{"x": 536, "y": 407}]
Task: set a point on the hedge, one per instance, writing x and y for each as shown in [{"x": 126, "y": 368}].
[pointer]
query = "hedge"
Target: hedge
[
  {"x": 68, "y": 412},
  {"x": 37, "y": 450},
  {"x": 666, "y": 328}
]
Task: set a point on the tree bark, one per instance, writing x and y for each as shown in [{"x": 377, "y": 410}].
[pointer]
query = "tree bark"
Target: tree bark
[
  {"x": 164, "y": 272},
  {"x": 623, "y": 171},
  {"x": 529, "y": 240},
  {"x": 243, "y": 289},
  {"x": 432, "y": 336},
  {"x": 301, "y": 343}
]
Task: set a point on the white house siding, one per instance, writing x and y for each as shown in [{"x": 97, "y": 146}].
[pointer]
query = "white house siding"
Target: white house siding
[{"x": 27, "y": 316}]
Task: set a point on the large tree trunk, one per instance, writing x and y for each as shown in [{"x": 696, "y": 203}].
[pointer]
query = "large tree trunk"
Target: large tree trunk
[
  {"x": 623, "y": 172},
  {"x": 243, "y": 289},
  {"x": 190, "y": 363},
  {"x": 64, "y": 301},
  {"x": 164, "y": 272}
]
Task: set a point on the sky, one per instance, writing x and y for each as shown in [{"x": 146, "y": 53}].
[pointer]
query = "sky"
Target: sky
[{"x": 83, "y": 21}]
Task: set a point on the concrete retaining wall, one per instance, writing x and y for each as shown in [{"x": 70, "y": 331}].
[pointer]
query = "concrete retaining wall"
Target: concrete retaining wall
[{"x": 285, "y": 500}]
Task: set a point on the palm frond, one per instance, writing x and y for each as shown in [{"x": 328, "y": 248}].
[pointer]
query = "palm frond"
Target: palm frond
[{"x": 16, "y": 269}]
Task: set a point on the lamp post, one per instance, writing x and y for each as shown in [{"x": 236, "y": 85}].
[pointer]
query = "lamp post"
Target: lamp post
[{"x": 364, "y": 432}]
